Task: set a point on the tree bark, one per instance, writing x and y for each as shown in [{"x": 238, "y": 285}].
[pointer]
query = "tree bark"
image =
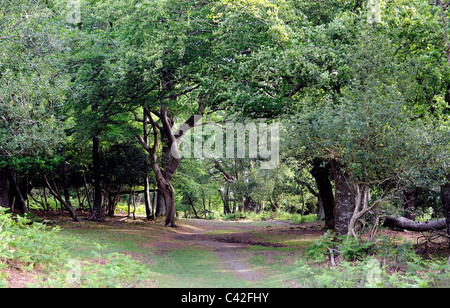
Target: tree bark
[
  {"x": 445, "y": 197},
  {"x": 344, "y": 199},
  {"x": 225, "y": 200},
  {"x": 16, "y": 192},
  {"x": 65, "y": 177},
  {"x": 164, "y": 177},
  {"x": 321, "y": 175},
  {"x": 98, "y": 213},
  {"x": 154, "y": 201},
  {"x": 160, "y": 203},
  {"x": 410, "y": 203},
  {"x": 4, "y": 191},
  {"x": 147, "y": 201},
  {"x": 418, "y": 226}
]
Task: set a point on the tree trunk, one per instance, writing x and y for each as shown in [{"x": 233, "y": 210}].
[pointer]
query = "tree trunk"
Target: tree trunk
[
  {"x": 147, "y": 201},
  {"x": 362, "y": 199},
  {"x": 410, "y": 203},
  {"x": 321, "y": 175},
  {"x": 344, "y": 199},
  {"x": 169, "y": 200},
  {"x": 4, "y": 191},
  {"x": 320, "y": 210},
  {"x": 204, "y": 203},
  {"x": 155, "y": 199},
  {"x": 164, "y": 178},
  {"x": 130, "y": 198},
  {"x": 57, "y": 196},
  {"x": 47, "y": 205},
  {"x": 160, "y": 209},
  {"x": 16, "y": 192},
  {"x": 65, "y": 177},
  {"x": 192, "y": 206},
  {"x": 134, "y": 203},
  {"x": 226, "y": 201},
  {"x": 445, "y": 197},
  {"x": 98, "y": 213}
]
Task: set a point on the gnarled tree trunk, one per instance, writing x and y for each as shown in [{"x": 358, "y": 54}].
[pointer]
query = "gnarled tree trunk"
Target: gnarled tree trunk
[
  {"x": 164, "y": 177},
  {"x": 321, "y": 175},
  {"x": 418, "y": 226},
  {"x": 344, "y": 199},
  {"x": 409, "y": 203},
  {"x": 421, "y": 226}
]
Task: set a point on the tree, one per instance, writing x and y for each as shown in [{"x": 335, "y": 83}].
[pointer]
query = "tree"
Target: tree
[
  {"x": 32, "y": 92},
  {"x": 371, "y": 134},
  {"x": 159, "y": 53}
]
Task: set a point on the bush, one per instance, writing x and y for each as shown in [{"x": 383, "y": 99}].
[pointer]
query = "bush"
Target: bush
[
  {"x": 27, "y": 244},
  {"x": 293, "y": 218},
  {"x": 114, "y": 270},
  {"x": 358, "y": 263},
  {"x": 359, "y": 274}
]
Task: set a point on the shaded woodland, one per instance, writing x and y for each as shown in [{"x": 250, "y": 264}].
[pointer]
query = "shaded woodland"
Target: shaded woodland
[{"x": 96, "y": 96}]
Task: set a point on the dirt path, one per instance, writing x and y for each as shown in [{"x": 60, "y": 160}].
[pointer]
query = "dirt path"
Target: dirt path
[
  {"x": 230, "y": 241},
  {"x": 232, "y": 253}
]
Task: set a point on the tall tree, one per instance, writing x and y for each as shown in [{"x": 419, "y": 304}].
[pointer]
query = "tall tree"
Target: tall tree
[
  {"x": 31, "y": 93},
  {"x": 147, "y": 55}
]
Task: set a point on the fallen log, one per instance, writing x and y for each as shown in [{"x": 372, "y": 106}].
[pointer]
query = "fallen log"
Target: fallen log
[{"x": 412, "y": 225}]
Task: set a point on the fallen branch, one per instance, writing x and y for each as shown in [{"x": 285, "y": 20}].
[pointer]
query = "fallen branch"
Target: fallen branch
[{"x": 418, "y": 226}]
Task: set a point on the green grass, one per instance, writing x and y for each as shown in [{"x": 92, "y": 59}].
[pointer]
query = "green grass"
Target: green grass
[
  {"x": 190, "y": 267},
  {"x": 138, "y": 254},
  {"x": 195, "y": 267},
  {"x": 277, "y": 263},
  {"x": 223, "y": 231},
  {"x": 109, "y": 239}
]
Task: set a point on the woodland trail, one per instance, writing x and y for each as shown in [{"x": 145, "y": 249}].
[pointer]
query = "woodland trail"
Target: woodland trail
[
  {"x": 231, "y": 252},
  {"x": 196, "y": 254},
  {"x": 236, "y": 246},
  {"x": 201, "y": 253}
]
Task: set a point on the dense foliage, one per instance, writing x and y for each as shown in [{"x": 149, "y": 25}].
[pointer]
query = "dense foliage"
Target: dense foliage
[
  {"x": 28, "y": 244},
  {"x": 97, "y": 96}
]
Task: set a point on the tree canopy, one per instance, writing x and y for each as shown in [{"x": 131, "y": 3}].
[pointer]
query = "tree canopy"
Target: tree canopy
[{"x": 97, "y": 97}]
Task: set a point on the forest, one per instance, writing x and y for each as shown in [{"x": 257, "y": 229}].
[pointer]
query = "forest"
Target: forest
[{"x": 312, "y": 135}]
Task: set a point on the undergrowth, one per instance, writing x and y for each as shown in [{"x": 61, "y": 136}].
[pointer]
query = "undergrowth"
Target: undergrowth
[
  {"x": 383, "y": 263},
  {"x": 33, "y": 247},
  {"x": 293, "y": 218}
]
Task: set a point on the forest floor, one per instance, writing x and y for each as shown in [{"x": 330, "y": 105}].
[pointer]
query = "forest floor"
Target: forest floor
[
  {"x": 198, "y": 253},
  {"x": 208, "y": 253}
]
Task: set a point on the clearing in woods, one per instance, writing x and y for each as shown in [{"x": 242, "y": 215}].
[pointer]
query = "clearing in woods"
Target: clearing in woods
[
  {"x": 206, "y": 253},
  {"x": 198, "y": 253}
]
